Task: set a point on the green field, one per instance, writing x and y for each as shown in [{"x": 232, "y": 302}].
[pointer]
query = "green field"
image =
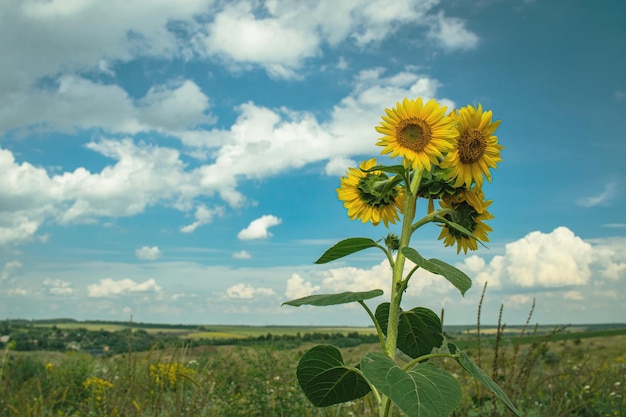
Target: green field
[{"x": 577, "y": 372}]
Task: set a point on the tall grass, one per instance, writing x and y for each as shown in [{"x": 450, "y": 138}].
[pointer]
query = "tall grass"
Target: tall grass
[{"x": 547, "y": 377}]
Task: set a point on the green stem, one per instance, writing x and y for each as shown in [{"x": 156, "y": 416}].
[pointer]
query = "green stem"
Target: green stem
[
  {"x": 381, "y": 336},
  {"x": 397, "y": 285},
  {"x": 429, "y": 356},
  {"x": 387, "y": 253},
  {"x": 398, "y": 266},
  {"x": 431, "y": 217}
]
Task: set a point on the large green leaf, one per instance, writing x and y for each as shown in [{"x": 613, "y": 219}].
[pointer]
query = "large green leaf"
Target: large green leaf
[
  {"x": 482, "y": 377},
  {"x": 419, "y": 330},
  {"x": 423, "y": 391},
  {"x": 345, "y": 248},
  {"x": 461, "y": 281},
  {"x": 325, "y": 380},
  {"x": 333, "y": 299}
]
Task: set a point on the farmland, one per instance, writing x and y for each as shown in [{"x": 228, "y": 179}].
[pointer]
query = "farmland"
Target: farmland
[{"x": 211, "y": 370}]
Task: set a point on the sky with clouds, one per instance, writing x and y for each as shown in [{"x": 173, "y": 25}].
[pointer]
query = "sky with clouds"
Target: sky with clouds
[{"x": 177, "y": 162}]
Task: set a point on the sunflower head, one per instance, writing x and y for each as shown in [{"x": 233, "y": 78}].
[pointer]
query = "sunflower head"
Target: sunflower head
[
  {"x": 420, "y": 133},
  {"x": 470, "y": 211},
  {"x": 477, "y": 149},
  {"x": 371, "y": 196}
]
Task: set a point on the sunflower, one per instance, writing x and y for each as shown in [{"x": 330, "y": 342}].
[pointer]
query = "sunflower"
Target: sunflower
[
  {"x": 366, "y": 197},
  {"x": 477, "y": 148},
  {"x": 420, "y": 133},
  {"x": 470, "y": 211}
]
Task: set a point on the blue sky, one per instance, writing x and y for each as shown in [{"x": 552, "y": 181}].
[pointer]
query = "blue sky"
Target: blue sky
[{"x": 177, "y": 161}]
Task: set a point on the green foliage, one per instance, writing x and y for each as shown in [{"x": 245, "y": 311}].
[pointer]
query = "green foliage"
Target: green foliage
[
  {"x": 482, "y": 377},
  {"x": 325, "y": 379},
  {"x": 346, "y": 247},
  {"x": 423, "y": 391},
  {"x": 226, "y": 381},
  {"x": 419, "y": 330},
  {"x": 461, "y": 281},
  {"x": 334, "y": 299}
]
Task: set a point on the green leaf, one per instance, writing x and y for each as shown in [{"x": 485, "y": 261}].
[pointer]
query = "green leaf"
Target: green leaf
[
  {"x": 419, "y": 330},
  {"x": 345, "y": 248},
  {"x": 392, "y": 169},
  {"x": 325, "y": 380},
  {"x": 333, "y": 299},
  {"x": 461, "y": 281},
  {"x": 482, "y": 377},
  {"x": 423, "y": 391}
]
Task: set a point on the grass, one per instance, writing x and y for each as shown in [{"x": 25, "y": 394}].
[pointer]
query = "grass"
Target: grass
[{"x": 546, "y": 371}]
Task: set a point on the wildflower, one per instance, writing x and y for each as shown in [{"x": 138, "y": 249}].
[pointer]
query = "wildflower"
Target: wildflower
[
  {"x": 371, "y": 196},
  {"x": 420, "y": 133},
  {"x": 477, "y": 148}
]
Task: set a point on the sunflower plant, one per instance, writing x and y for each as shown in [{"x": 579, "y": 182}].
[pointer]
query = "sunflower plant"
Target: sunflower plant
[{"x": 445, "y": 158}]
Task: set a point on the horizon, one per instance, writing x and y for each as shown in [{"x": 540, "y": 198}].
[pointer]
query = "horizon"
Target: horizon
[{"x": 181, "y": 163}]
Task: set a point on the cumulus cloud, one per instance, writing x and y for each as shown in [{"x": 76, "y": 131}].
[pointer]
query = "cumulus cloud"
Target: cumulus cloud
[
  {"x": 558, "y": 259},
  {"x": 282, "y": 36},
  {"x": 147, "y": 253},
  {"x": 551, "y": 259},
  {"x": 241, "y": 255},
  {"x": 451, "y": 34},
  {"x": 338, "y": 166},
  {"x": 262, "y": 142},
  {"x": 246, "y": 291},
  {"x": 258, "y": 229},
  {"x": 203, "y": 215},
  {"x": 78, "y": 103},
  {"x": 91, "y": 34},
  {"x": 108, "y": 287},
  {"x": 298, "y": 287},
  {"x": 554, "y": 259}
]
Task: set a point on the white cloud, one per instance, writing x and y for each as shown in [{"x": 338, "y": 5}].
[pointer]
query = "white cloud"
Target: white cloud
[
  {"x": 297, "y": 287},
  {"x": 80, "y": 103},
  {"x": 245, "y": 291},
  {"x": 608, "y": 193},
  {"x": 241, "y": 38},
  {"x": 281, "y": 36},
  {"x": 58, "y": 286},
  {"x": 241, "y": 255},
  {"x": 258, "y": 229},
  {"x": 554, "y": 259},
  {"x": 615, "y": 225},
  {"x": 451, "y": 33},
  {"x": 175, "y": 108},
  {"x": 338, "y": 166},
  {"x": 46, "y": 38},
  {"x": 147, "y": 253},
  {"x": 203, "y": 215},
  {"x": 108, "y": 287},
  {"x": 573, "y": 295},
  {"x": 9, "y": 269},
  {"x": 17, "y": 291},
  {"x": 551, "y": 260},
  {"x": 261, "y": 143}
]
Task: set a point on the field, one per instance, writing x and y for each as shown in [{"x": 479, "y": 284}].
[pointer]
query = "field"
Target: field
[{"x": 579, "y": 371}]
